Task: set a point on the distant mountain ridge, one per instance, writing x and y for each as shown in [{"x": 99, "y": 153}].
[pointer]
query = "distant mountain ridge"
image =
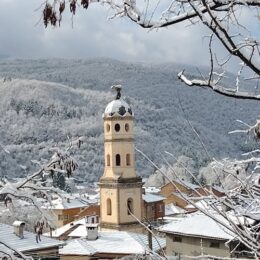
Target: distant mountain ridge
[{"x": 38, "y": 114}]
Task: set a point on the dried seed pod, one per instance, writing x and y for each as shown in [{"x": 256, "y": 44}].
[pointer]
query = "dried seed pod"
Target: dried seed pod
[
  {"x": 62, "y": 7},
  {"x": 47, "y": 14},
  {"x": 73, "y": 4},
  {"x": 53, "y": 19},
  {"x": 85, "y": 3}
]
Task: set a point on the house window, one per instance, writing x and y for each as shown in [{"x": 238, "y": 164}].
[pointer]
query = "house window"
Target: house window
[
  {"x": 108, "y": 159},
  {"x": 118, "y": 160},
  {"x": 214, "y": 244},
  {"x": 60, "y": 217},
  {"x": 117, "y": 127},
  {"x": 130, "y": 206},
  {"x": 128, "y": 163},
  {"x": 109, "y": 207},
  {"x": 160, "y": 207},
  {"x": 177, "y": 239},
  {"x": 126, "y": 127}
]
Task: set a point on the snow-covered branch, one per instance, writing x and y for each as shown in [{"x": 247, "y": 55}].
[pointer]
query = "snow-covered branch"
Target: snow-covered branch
[{"x": 217, "y": 88}]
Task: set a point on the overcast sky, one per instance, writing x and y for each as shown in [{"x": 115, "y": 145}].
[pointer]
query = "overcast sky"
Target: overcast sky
[{"x": 94, "y": 36}]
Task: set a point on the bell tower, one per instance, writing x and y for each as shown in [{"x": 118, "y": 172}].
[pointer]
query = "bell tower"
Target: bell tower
[{"x": 120, "y": 187}]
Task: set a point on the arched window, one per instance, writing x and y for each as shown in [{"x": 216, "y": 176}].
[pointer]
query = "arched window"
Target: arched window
[
  {"x": 126, "y": 127},
  {"x": 117, "y": 127},
  {"x": 118, "y": 160},
  {"x": 128, "y": 162},
  {"x": 109, "y": 207},
  {"x": 108, "y": 159},
  {"x": 130, "y": 206}
]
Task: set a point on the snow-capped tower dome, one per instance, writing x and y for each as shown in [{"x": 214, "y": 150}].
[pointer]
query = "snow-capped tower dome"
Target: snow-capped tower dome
[
  {"x": 120, "y": 186},
  {"x": 118, "y": 107}
]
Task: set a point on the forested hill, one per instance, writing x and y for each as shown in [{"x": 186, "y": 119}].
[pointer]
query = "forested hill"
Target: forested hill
[{"x": 37, "y": 115}]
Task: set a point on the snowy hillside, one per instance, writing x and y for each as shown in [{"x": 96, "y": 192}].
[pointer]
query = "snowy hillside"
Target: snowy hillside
[{"x": 37, "y": 115}]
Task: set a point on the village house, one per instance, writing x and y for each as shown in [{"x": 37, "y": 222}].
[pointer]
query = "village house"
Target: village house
[
  {"x": 172, "y": 190},
  {"x": 153, "y": 206},
  {"x": 180, "y": 192},
  {"x": 196, "y": 235},
  {"x": 26, "y": 242},
  {"x": 72, "y": 209}
]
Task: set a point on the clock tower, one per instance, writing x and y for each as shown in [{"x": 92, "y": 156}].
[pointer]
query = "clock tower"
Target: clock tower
[{"x": 120, "y": 187}]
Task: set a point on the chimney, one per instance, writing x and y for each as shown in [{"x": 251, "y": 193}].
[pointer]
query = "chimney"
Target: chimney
[
  {"x": 92, "y": 231},
  {"x": 19, "y": 228}
]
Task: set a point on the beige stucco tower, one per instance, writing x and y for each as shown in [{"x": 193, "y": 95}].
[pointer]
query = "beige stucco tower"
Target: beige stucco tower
[{"x": 120, "y": 187}]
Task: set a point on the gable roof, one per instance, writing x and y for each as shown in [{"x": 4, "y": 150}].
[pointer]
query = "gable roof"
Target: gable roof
[
  {"x": 198, "y": 225},
  {"x": 117, "y": 242},
  {"x": 149, "y": 197},
  {"x": 69, "y": 203},
  {"x": 183, "y": 183},
  {"x": 66, "y": 228},
  {"x": 28, "y": 243}
]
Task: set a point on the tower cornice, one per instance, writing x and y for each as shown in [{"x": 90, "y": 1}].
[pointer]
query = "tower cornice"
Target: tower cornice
[
  {"x": 117, "y": 118},
  {"x": 128, "y": 140}
]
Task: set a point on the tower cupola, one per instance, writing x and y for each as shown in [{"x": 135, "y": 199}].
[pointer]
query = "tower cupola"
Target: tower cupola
[{"x": 117, "y": 107}]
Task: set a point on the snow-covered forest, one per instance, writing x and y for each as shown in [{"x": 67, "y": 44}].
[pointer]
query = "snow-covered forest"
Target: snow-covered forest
[{"x": 48, "y": 101}]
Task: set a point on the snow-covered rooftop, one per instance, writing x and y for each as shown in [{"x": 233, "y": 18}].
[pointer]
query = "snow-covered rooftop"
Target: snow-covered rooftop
[
  {"x": 119, "y": 242},
  {"x": 198, "y": 225},
  {"x": 117, "y": 107},
  {"x": 149, "y": 197},
  {"x": 61, "y": 230},
  {"x": 172, "y": 209},
  {"x": 189, "y": 185},
  {"x": 28, "y": 243},
  {"x": 69, "y": 203},
  {"x": 152, "y": 189}
]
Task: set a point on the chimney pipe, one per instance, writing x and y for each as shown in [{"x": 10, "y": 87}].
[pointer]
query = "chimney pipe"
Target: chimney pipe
[{"x": 19, "y": 228}]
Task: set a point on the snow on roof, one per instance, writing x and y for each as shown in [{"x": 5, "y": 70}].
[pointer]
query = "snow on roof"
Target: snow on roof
[
  {"x": 198, "y": 225},
  {"x": 189, "y": 185},
  {"x": 28, "y": 243},
  {"x": 149, "y": 197},
  {"x": 119, "y": 242},
  {"x": 152, "y": 189},
  {"x": 172, "y": 209},
  {"x": 80, "y": 231},
  {"x": 117, "y": 107},
  {"x": 182, "y": 195},
  {"x": 61, "y": 230},
  {"x": 69, "y": 203}
]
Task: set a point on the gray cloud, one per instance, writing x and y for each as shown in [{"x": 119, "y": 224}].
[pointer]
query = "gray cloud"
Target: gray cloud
[{"x": 93, "y": 35}]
